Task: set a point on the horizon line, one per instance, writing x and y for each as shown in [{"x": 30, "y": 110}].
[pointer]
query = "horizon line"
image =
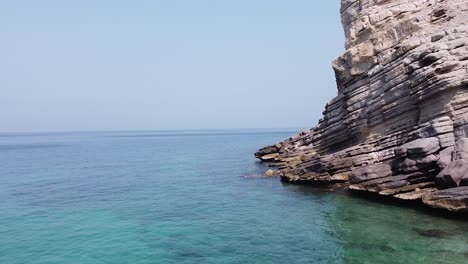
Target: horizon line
[{"x": 276, "y": 129}]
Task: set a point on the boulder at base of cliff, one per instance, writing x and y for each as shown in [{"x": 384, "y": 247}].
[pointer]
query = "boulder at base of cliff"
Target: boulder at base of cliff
[
  {"x": 272, "y": 173},
  {"x": 453, "y": 174},
  {"x": 369, "y": 172},
  {"x": 454, "y": 199}
]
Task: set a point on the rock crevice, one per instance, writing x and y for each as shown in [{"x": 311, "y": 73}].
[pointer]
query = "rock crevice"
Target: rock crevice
[{"x": 399, "y": 123}]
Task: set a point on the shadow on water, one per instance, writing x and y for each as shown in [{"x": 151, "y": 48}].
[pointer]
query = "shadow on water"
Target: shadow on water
[
  {"x": 375, "y": 231},
  {"x": 433, "y": 233}
]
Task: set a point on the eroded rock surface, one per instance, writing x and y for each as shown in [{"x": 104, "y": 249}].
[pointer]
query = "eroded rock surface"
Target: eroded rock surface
[
  {"x": 453, "y": 199},
  {"x": 402, "y": 103}
]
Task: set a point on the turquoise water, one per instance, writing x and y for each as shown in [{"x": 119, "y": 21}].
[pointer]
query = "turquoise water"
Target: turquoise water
[{"x": 192, "y": 197}]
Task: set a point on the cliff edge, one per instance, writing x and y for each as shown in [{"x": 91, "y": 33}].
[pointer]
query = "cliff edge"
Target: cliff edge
[{"x": 399, "y": 124}]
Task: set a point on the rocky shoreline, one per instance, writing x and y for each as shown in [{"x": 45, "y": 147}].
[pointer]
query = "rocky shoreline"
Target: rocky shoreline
[{"x": 399, "y": 124}]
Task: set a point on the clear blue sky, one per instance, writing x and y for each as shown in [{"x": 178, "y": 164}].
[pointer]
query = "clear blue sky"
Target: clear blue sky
[{"x": 174, "y": 64}]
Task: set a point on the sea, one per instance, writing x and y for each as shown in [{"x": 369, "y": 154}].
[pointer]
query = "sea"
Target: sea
[{"x": 144, "y": 197}]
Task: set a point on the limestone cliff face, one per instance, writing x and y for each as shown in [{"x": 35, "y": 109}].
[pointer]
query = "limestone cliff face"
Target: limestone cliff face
[{"x": 400, "y": 119}]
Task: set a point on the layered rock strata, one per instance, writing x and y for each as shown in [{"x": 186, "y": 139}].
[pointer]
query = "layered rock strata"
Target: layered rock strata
[{"x": 399, "y": 124}]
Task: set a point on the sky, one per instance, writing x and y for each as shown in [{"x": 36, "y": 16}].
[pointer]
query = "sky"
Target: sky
[{"x": 82, "y": 65}]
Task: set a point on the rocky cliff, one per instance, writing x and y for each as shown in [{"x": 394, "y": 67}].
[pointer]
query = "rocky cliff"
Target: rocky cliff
[{"x": 399, "y": 124}]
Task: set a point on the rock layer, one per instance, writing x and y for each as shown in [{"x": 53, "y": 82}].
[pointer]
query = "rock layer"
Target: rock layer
[{"x": 401, "y": 114}]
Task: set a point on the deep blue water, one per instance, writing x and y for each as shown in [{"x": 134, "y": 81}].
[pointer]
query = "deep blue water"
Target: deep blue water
[{"x": 192, "y": 197}]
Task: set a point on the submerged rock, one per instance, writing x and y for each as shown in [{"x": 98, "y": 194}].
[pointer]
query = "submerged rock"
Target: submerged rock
[
  {"x": 401, "y": 108},
  {"x": 434, "y": 233}
]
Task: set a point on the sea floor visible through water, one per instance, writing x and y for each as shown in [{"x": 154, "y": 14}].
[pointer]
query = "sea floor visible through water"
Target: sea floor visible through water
[{"x": 193, "y": 197}]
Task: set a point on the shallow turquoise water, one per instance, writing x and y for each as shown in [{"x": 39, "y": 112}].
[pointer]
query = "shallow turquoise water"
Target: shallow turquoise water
[{"x": 192, "y": 197}]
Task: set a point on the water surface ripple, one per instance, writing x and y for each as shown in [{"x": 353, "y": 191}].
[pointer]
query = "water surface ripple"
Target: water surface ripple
[{"x": 192, "y": 197}]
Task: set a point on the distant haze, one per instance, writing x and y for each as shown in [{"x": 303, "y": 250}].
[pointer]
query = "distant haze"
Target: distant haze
[{"x": 174, "y": 64}]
